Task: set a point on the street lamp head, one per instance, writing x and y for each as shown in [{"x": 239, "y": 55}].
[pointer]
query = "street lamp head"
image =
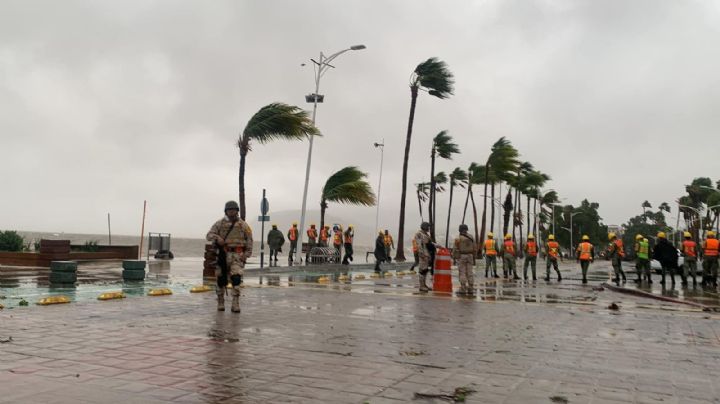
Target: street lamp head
[
  {"x": 376, "y": 144},
  {"x": 357, "y": 47}
]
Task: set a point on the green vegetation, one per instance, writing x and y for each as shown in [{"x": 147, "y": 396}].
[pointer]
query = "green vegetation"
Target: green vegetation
[
  {"x": 346, "y": 186},
  {"x": 11, "y": 241}
]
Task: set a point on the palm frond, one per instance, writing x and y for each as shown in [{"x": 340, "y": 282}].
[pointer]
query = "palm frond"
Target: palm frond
[
  {"x": 434, "y": 75},
  {"x": 444, "y": 146},
  {"x": 458, "y": 177},
  {"x": 348, "y": 186},
  {"x": 278, "y": 121}
]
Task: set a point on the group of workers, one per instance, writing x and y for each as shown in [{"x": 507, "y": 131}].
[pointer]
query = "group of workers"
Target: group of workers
[{"x": 326, "y": 237}]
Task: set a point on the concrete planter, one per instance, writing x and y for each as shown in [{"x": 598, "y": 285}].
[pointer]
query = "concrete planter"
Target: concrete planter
[
  {"x": 133, "y": 274},
  {"x": 134, "y": 264}
]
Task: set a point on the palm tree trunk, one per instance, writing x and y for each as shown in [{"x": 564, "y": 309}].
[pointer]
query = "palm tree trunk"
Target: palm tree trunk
[
  {"x": 447, "y": 228},
  {"x": 400, "y": 250},
  {"x": 492, "y": 208},
  {"x": 420, "y": 206},
  {"x": 484, "y": 215},
  {"x": 537, "y": 219},
  {"x": 431, "y": 201},
  {"x": 507, "y": 209},
  {"x": 475, "y": 219},
  {"x": 528, "y": 215},
  {"x": 467, "y": 199},
  {"x": 323, "y": 206},
  {"x": 241, "y": 181}
]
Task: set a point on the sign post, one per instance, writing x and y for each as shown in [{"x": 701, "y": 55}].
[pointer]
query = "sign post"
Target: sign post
[{"x": 264, "y": 209}]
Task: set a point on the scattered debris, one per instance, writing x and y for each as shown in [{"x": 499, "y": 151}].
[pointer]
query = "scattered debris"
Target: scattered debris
[
  {"x": 458, "y": 396},
  {"x": 613, "y": 306},
  {"x": 413, "y": 353},
  {"x": 5, "y": 340},
  {"x": 23, "y": 302},
  {"x": 559, "y": 399}
]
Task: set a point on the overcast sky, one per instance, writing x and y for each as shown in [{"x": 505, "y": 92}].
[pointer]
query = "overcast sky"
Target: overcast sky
[{"x": 106, "y": 104}]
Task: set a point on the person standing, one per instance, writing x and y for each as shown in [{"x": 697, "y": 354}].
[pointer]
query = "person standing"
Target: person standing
[
  {"x": 312, "y": 240},
  {"x": 292, "y": 236},
  {"x": 275, "y": 240},
  {"x": 667, "y": 255},
  {"x": 615, "y": 253},
  {"x": 490, "y": 249},
  {"x": 585, "y": 253},
  {"x": 464, "y": 250},
  {"x": 389, "y": 245},
  {"x": 711, "y": 246},
  {"x": 423, "y": 240},
  {"x": 644, "y": 259},
  {"x": 636, "y": 248},
  {"x": 509, "y": 252},
  {"x": 531, "y": 252},
  {"x": 324, "y": 236},
  {"x": 379, "y": 251},
  {"x": 233, "y": 237},
  {"x": 552, "y": 253},
  {"x": 349, "y": 235},
  {"x": 689, "y": 252},
  {"x": 338, "y": 241}
]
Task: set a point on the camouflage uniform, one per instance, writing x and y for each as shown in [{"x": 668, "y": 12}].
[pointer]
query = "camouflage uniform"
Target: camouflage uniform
[
  {"x": 464, "y": 250},
  {"x": 238, "y": 248},
  {"x": 616, "y": 254},
  {"x": 275, "y": 240},
  {"x": 422, "y": 238},
  {"x": 509, "y": 251}
]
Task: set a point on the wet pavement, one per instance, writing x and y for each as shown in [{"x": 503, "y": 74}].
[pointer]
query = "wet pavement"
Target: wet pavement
[{"x": 329, "y": 336}]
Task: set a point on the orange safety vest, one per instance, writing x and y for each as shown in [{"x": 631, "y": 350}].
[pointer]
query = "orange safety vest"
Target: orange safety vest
[
  {"x": 323, "y": 234},
  {"x": 585, "y": 249},
  {"x": 619, "y": 247},
  {"x": 293, "y": 234},
  {"x": 490, "y": 247},
  {"x": 711, "y": 247},
  {"x": 689, "y": 248},
  {"x": 509, "y": 247},
  {"x": 312, "y": 233},
  {"x": 388, "y": 239},
  {"x": 337, "y": 238},
  {"x": 531, "y": 247},
  {"x": 553, "y": 248},
  {"x": 415, "y": 248}
]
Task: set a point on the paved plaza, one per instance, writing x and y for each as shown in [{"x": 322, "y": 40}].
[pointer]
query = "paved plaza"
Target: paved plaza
[{"x": 374, "y": 340}]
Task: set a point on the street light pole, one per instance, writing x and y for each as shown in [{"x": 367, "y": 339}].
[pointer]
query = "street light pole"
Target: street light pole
[
  {"x": 321, "y": 66},
  {"x": 572, "y": 250},
  {"x": 382, "y": 152},
  {"x": 700, "y": 235}
]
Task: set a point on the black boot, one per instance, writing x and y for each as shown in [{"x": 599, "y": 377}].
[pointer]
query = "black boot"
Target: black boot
[
  {"x": 584, "y": 280},
  {"x": 662, "y": 281},
  {"x": 649, "y": 279},
  {"x": 694, "y": 282},
  {"x": 617, "y": 280},
  {"x": 623, "y": 276}
]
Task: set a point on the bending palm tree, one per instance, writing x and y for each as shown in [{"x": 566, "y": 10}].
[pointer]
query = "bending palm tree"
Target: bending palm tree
[
  {"x": 346, "y": 186},
  {"x": 458, "y": 178},
  {"x": 502, "y": 159},
  {"x": 275, "y": 121},
  {"x": 444, "y": 148},
  {"x": 422, "y": 191},
  {"x": 431, "y": 75}
]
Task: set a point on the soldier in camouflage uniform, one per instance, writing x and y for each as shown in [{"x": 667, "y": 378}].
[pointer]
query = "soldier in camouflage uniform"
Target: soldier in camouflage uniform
[
  {"x": 464, "y": 250},
  {"x": 275, "y": 240},
  {"x": 615, "y": 253},
  {"x": 422, "y": 238},
  {"x": 233, "y": 237}
]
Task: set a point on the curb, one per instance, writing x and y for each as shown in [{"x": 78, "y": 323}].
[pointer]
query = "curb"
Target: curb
[{"x": 640, "y": 293}]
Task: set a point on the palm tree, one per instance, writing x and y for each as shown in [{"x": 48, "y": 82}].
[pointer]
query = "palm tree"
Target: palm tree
[
  {"x": 531, "y": 183},
  {"x": 443, "y": 147},
  {"x": 434, "y": 77},
  {"x": 458, "y": 178},
  {"x": 550, "y": 198},
  {"x": 346, "y": 186},
  {"x": 276, "y": 121},
  {"x": 423, "y": 193},
  {"x": 645, "y": 205},
  {"x": 476, "y": 175},
  {"x": 524, "y": 169},
  {"x": 439, "y": 180},
  {"x": 502, "y": 160}
]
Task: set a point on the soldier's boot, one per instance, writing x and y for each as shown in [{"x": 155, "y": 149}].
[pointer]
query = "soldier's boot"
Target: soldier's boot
[
  {"x": 558, "y": 274},
  {"x": 220, "y": 298},
  {"x": 584, "y": 280},
  {"x": 423, "y": 285},
  {"x": 486, "y": 273},
  {"x": 623, "y": 276},
  {"x": 495, "y": 275},
  {"x": 235, "y": 308},
  {"x": 515, "y": 275},
  {"x": 617, "y": 279},
  {"x": 463, "y": 288}
]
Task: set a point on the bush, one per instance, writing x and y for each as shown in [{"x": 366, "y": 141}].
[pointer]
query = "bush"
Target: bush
[{"x": 11, "y": 241}]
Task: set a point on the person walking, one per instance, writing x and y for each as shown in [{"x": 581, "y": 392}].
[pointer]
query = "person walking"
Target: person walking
[
  {"x": 636, "y": 249},
  {"x": 389, "y": 245},
  {"x": 379, "y": 251},
  {"x": 275, "y": 240},
  {"x": 415, "y": 254},
  {"x": 509, "y": 252},
  {"x": 292, "y": 236},
  {"x": 233, "y": 239},
  {"x": 312, "y": 240},
  {"x": 423, "y": 240},
  {"x": 667, "y": 255},
  {"x": 552, "y": 253},
  {"x": 324, "y": 235},
  {"x": 689, "y": 253},
  {"x": 531, "y": 251},
  {"x": 616, "y": 252},
  {"x": 464, "y": 250},
  {"x": 585, "y": 253},
  {"x": 644, "y": 259},
  {"x": 490, "y": 250},
  {"x": 338, "y": 241},
  {"x": 349, "y": 235},
  {"x": 711, "y": 246}
]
